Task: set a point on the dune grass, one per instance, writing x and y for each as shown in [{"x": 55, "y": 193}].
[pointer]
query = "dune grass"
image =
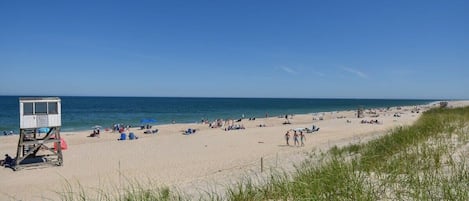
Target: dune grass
[{"x": 425, "y": 161}]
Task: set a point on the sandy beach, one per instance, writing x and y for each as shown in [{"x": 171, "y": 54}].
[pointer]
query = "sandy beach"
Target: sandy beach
[{"x": 206, "y": 160}]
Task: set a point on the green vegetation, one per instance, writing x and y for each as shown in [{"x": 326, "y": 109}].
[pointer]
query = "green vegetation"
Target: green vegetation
[{"x": 425, "y": 161}]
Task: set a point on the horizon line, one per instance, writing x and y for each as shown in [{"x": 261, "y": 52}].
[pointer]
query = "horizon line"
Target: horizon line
[{"x": 215, "y": 97}]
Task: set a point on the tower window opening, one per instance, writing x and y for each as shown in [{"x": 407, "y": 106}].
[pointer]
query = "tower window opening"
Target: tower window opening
[
  {"x": 52, "y": 108},
  {"x": 40, "y": 108},
  {"x": 28, "y": 109}
]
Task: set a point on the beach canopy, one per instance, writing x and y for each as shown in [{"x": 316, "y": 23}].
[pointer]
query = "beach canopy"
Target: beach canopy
[{"x": 146, "y": 121}]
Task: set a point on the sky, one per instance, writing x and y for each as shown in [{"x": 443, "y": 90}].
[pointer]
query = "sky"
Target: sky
[{"x": 287, "y": 49}]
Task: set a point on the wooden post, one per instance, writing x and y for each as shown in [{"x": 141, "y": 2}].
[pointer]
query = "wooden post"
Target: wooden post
[{"x": 262, "y": 164}]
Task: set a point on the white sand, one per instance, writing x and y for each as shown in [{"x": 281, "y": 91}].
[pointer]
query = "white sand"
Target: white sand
[{"x": 208, "y": 159}]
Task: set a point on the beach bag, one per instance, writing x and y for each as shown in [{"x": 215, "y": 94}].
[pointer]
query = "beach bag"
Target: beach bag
[{"x": 63, "y": 145}]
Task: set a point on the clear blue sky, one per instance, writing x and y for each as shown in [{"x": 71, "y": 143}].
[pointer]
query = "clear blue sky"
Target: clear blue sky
[{"x": 311, "y": 49}]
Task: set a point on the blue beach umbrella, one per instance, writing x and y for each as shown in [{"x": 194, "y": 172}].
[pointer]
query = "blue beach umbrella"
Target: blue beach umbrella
[{"x": 146, "y": 121}]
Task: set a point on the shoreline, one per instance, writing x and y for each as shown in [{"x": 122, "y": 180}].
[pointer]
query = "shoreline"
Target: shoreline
[
  {"x": 77, "y": 120},
  {"x": 432, "y": 103},
  {"x": 211, "y": 156},
  {"x": 246, "y": 118}
]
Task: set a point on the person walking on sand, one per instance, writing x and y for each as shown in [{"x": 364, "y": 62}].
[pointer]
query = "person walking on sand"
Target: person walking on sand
[
  {"x": 287, "y": 137},
  {"x": 302, "y": 138},
  {"x": 295, "y": 137}
]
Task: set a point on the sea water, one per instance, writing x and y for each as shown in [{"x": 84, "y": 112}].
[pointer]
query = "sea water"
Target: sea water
[{"x": 82, "y": 113}]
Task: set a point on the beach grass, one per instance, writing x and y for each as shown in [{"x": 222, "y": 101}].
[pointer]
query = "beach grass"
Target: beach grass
[{"x": 425, "y": 161}]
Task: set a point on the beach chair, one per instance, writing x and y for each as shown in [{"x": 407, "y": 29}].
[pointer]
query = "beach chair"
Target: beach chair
[
  {"x": 123, "y": 136},
  {"x": 132, "y": 136}
]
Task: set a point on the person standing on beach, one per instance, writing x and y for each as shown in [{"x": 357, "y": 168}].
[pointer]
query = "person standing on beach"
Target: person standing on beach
[
  {"x": 287, "y": 137},
  {"x": 295, "y": 138},
  {"x": 302, "y": 138}
]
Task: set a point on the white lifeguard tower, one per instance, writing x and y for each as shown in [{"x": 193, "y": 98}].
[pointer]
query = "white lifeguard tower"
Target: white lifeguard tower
[{"x": 39, "y": 115}]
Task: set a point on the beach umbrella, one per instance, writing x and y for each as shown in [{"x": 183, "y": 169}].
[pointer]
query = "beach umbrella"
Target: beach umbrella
[
  {"x": 146, "y": 121},
  {"x": 96, "y": 127}
]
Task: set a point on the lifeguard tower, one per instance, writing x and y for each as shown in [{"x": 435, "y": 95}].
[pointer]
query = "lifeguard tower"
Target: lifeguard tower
[{"x": 39, "y": 115}]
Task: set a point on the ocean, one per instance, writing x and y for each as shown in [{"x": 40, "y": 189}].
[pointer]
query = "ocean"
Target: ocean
[{"x": 81, "y": 113}]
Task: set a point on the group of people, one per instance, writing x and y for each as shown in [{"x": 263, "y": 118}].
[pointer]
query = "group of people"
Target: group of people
[
  {"x": 120, "y": 127},
  {"x": 189, "y": 131},
  {"x": 148, "y": 126},
  {"x": 370, "y": 121},
  {"x": 151, "y": 131},
  {"x": 7, "y": 133},
  {"x": 234, "y": 127},
  {"x": 96, "y": 132},
  {"x": 217, "y": 123},
  {"x": 298, "y": 137},
  {"x": 227, "y": 124}
]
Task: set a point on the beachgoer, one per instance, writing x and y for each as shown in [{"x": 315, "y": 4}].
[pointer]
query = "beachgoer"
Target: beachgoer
[
  {"x": 295, "y": 138},
  {"x": 287, "y": 137},
  {"x": 302, "y": 138},
  {"x": 8, "y": 162}
]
